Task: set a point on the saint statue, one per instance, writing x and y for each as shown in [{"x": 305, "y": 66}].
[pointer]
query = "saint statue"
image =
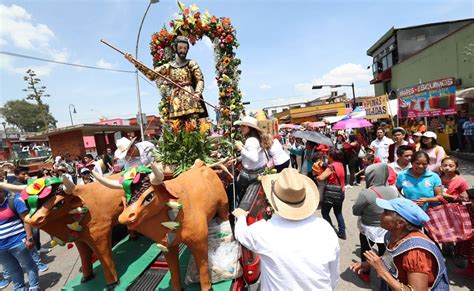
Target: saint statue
[{"x": 186, "y": 73}]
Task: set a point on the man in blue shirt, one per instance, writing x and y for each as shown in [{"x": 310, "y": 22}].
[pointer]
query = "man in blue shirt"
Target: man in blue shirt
[{"x": 16, "y": 240}]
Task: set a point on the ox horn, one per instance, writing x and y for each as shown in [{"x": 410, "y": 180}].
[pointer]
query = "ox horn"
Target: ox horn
[
  {"x": 12, "y": 187},
  {"x": 68, "y": 185},
  {"x": 109, "y": 183},
  {"x": 156, "y": 178}
]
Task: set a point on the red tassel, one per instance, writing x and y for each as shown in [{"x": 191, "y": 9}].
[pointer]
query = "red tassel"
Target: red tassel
[{"x": 70, "y": 246}]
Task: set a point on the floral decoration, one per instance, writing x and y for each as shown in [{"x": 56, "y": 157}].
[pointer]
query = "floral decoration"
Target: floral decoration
[
  {"x": 132, "y": 176},
  {"x": 37, "y": 189},
  {"x": 194, "y": 25}
]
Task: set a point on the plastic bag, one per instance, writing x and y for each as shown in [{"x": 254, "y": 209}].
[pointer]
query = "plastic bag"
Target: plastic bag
[{"x": 223, "y": 253}]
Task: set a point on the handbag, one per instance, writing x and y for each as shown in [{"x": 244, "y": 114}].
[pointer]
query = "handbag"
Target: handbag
[
  {"x": 333, "y": 194},
  {"x": 270, "y": 164},
  {"x": 361, "y": 153},
  {"x": 449, "y": 222}
]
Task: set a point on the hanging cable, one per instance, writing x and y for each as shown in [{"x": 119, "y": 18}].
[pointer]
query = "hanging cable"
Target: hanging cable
[{"x": 62, "y": 63}]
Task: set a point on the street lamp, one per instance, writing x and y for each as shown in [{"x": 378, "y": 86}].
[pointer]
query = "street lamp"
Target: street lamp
[
  {"x": 315, "y": 87},
  {"x": 136, "y": 71},
  {"x": 74, "y": 111}
]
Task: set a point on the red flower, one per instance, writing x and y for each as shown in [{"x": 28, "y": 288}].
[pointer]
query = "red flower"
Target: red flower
[
  {"x": 186, "y": 11},
  {"x": 170, "y": 37},
  {"x": 229, "y": 38},
  {"x": 213, "y": 19},
  {"x": 196, "y": 15},
  {"x": 199, "y": 23}
]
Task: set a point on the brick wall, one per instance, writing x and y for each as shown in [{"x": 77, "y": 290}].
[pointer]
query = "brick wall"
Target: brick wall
[{"x": 70, "y": 142}]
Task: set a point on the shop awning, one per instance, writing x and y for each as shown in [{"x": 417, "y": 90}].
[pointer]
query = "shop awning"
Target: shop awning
[
  {"x": 333, "y": 119},
  {"x": 313, "y": 113},
  {"x": 467, "y": 94},
  {"x": 285, "y": 118}
]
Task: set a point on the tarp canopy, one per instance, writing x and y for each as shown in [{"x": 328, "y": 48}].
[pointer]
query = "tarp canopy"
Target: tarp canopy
[{"x": 333, "y": 119}]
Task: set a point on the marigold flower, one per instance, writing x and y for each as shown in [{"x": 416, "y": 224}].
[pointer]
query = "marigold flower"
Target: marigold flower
[
  {"x": 186, "y": 11},
  {"x": 226, "y": 61}
]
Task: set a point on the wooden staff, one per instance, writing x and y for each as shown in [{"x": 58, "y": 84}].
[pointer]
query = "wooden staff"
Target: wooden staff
[{"x": 160, "y": 75}]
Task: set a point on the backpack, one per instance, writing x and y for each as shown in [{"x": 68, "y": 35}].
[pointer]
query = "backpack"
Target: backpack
[{"x": 11, "y": 204}]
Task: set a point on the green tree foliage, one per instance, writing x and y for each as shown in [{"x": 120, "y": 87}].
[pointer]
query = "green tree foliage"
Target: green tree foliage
[
  {"x": 27, "y": 116},
  {"x": 37, "y": 93}
]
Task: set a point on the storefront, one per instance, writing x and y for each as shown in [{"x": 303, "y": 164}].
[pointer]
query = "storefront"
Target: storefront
[{"x": 434, "y": 103}]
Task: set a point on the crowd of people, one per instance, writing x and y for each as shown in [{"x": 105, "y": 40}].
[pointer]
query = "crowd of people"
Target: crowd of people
[{"x": 404, "y": 177}]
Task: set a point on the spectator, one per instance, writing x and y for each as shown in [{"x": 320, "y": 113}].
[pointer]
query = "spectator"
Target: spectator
[
  {"x": 61, "y": 170},
  {"x": 340, "y": 140},
  {"x": 334, "y": 174},
  {"x": 70, "y": 165},
  {"x": 351, "y": 157},
  {"x": 365, "y": 207},
  {"x": 274, "y": 150},
  {"x": 380, "y": 145},
  {"x": 436, "y": 153},
  {"x": 21, "y": 176},
  {"x": 252, "y": 154},
  {"x": 454, "y": 185},
  {"x": 421, "y": 126},
  {"x": 415, "y": 261},
  {"x": 468, "y": 127},
  {"x": 419, "y": 183},
  {"x": 460, "y": 131},
  {"x": 399, "y": 135},
  {"x": 134, "y": 154},
  {"x": 293, "y": 254},
  {"x": 307, "y": 158},
  {"x": 86, "y": 176},
  {"x": 293, "y": 145},
  {"x": 404, "y": 154},
  {"x": 15, "y": 243},
  {"x": 416, "y": 136}
]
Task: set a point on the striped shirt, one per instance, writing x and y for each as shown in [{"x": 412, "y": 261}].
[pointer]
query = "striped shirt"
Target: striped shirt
[{"x": 12, "y": 231}]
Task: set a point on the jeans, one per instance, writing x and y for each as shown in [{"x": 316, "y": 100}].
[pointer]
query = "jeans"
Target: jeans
[
  {"x": 36, "y": 237},
  {"x": 13, "y": 259},
  {"x": 353, "y": 169},
  {"x": 326, "y": 208}
]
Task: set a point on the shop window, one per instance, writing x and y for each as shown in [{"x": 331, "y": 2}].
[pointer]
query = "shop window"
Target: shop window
[{"x": 387, "y": 86}]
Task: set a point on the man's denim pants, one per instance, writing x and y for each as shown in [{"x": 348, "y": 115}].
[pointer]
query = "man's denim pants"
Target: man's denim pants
[{"x": 13, "y": 260}]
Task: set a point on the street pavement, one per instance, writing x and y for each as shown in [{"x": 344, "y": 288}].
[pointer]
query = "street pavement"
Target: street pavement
[{"x": 64, "y": 264}]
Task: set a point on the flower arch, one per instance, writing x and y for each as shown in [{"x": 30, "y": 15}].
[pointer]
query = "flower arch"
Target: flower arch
[{"x": 194, "y": 25}]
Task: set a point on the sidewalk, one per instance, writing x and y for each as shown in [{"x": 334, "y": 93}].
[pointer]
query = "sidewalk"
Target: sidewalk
[{"x": 462, "y": 155}]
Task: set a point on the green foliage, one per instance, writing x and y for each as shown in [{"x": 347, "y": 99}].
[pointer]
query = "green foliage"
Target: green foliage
[
  {"x": 37, "y": 93},
  {"x": 182, "y": 148},
  {"x": 26, "y": 116}
]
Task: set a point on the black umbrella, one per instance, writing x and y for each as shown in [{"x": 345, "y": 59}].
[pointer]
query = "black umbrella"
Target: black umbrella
[{"x": 313, "y": 136}]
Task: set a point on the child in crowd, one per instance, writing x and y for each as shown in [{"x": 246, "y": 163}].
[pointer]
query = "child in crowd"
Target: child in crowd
[{"x": 454, "y": 185}]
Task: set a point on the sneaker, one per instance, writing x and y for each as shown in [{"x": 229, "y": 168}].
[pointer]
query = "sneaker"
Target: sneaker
[
  {"x": 42, "y": 267},
  {"x": 342, "y": 236},
  {"x": 44, "y": 250},
  {"x": 348, "y": 187},
  {"x": 4, "y": 283}
]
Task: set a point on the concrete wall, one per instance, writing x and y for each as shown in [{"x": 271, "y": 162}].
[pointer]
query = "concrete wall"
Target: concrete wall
[{"x": 447, "y": 58}]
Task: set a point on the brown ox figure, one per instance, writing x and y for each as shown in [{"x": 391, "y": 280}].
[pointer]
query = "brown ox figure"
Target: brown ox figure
[
  {"x": 104, "y": 206},
  {"x": 177, "y": 211}
]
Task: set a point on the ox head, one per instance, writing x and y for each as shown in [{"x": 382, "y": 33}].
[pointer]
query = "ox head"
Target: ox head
[
  {"x": 46, "y": 198},
  {"x": 141, "y": 200}
]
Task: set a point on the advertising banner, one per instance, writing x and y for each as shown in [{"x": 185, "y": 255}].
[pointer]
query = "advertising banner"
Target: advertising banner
[
  {"x": 376, "y": 107},
  {"x": 428, "y": 99}
]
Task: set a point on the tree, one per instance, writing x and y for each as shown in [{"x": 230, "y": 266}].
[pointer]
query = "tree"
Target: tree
[
  {"x": 27, "y": 116},
  {"x": 36, "y": 93}
]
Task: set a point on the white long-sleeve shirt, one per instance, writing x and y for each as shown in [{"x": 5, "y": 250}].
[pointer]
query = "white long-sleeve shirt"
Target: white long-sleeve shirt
[
  {"x": 295, "y": 255},
  {"x": 253, "y": 156},
  {"x": 278, "y": 154}
]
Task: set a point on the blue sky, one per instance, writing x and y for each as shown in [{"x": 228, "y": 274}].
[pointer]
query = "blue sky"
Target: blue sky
[{"x": 286, "y": 46}]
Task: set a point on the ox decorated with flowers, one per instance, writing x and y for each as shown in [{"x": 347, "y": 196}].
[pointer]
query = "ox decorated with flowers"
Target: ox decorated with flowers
[
  {"x": 173, "y": 211},
  {"x": 83, "y": 215}
]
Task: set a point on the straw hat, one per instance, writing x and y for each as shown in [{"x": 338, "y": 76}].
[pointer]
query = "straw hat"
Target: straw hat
[
  {"x": 292, "y": 195},
  {"x": 248, "y": 121},
  {"x": 123, "y": 145}
]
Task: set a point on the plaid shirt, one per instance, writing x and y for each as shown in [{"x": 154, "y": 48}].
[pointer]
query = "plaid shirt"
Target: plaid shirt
[{"x": 468, "y": 127}]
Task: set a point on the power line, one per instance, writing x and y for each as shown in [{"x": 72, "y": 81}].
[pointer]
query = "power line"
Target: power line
[{"x": 62, "y": 63}]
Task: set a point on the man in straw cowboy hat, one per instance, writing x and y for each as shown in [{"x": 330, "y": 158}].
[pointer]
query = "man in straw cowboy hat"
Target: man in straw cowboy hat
[
  {"x": 299, "y": 251},
  {"x": 134, "y": 154}
]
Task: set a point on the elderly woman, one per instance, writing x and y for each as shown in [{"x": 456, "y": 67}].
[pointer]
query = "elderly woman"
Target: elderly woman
[
  {"x": 419, "y": 184},
  {"x": 369, "y": 213},
  {"x": 412, "y": 261}
]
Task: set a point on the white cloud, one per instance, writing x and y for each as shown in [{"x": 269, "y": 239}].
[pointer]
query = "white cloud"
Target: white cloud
[
  {"x": 18, "y": 28},
  {"x": 104, "y": 64},
  {"x": 40, "y": 70},
  {"x": 264, "y": 86},
  {"x": 343, "y": 74}
]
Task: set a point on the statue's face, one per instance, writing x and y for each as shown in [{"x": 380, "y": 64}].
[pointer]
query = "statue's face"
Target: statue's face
[{"x": 182, "y": 50}]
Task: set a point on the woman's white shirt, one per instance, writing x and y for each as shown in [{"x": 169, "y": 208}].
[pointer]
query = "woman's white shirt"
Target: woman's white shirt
[
  {"x": 253, "y": 157},
  {"x": 277, "y": 153}
]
